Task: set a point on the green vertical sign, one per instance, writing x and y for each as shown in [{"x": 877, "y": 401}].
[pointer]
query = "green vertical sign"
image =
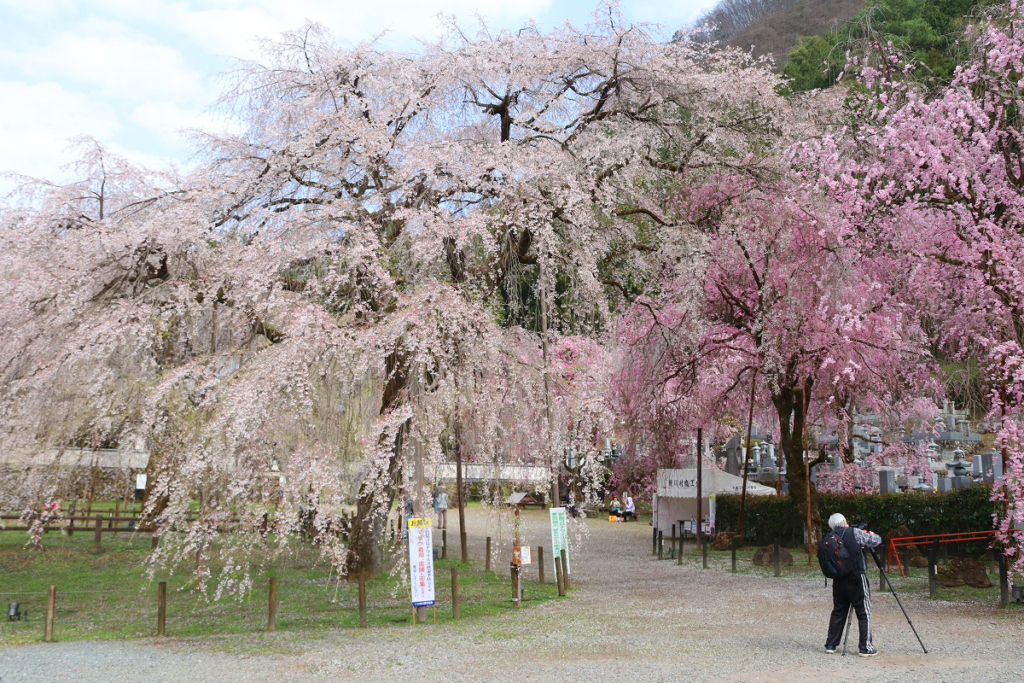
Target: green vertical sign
[{"x": 559, "y": 538}]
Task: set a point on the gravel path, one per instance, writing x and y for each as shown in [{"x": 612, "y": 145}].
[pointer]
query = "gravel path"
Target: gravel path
[{"x": 630, "y": 618}]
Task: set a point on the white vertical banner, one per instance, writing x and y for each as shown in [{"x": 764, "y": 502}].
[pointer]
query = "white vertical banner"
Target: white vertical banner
[
  {"x": 559, "y": 537},
  {"x": 421, "y": 561}
]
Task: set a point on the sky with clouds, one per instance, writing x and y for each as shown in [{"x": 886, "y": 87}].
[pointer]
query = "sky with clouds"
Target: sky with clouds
[{"x": 135, "y": 73}]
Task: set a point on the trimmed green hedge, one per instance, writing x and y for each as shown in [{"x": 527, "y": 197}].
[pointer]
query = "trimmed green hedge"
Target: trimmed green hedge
[{"x": 766, "y": 517}]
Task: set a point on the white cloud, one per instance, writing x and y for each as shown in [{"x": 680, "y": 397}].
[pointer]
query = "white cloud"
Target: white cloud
[
  {"x": 133, "y": 73},
  {"x": 102, "y": 55},
  {"x": 169, "y": 121},
  {"x": 38, "y": 120}
]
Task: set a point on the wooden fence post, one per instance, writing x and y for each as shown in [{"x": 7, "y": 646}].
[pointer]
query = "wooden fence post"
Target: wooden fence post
[
  {"x": 272, "y": 605},
  {"x": 487, "y": 557},
  {"x": 540, "y": 563},
  {"x": 161, "y": 608},
  {"x": 558, "y": 576},
  {"x": 362, "y": 601},
  {"x": 51, "y": 605},
  {"x": 455, "y": 593},
  {"x": 566, "y": 574},
  {"x": 444, "y": 544},
  {"x": 97, "y": 539},
  {"x": 933, "y": 557}
]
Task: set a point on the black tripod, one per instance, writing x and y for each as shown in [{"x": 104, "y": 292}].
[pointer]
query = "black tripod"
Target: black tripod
[{"x": 892, "y": 590}]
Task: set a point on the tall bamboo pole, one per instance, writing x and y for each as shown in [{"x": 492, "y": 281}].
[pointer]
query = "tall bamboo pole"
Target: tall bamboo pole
[
  {"x": 700, "y": 497},
  {"x": 461, "y": 494},
  {"x": 555, "y": 463},
  {"x": 807, "y": 475}
]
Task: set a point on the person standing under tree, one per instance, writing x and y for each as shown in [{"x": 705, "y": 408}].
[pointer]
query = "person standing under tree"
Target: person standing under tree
[
  {"x": 442, "y": 508},
  {"x": 841, "y": 559}
]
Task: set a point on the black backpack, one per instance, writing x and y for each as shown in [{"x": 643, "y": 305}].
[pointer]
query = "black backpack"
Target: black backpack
[{"x": 834, "y": 555}]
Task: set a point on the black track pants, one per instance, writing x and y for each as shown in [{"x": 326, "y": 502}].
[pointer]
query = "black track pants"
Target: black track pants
[{"x": 850, "y": 591}]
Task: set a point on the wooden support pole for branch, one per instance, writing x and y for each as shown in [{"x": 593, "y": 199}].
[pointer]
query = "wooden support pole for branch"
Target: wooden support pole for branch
[
  {"x": 566, "y": 574},
  {"x": 97, "y": 538},
  {"x": 362, "y": 600},
  {"x": 1004, "y": 581},
  {"x": 746, "y": 454},
  {"x": 807, "y": 478},
  {"x": 487, "y": 556},
  {"x": 558, "y": 576},
  {"x": 540, "y": 563},
  {"x": 272, "y": 605},
  {"x": 778, "y": 551},
  {"x": 444, "y": 544},
  {"x": 51, "y": 605},
  {"x": 516, "y": 602},
  {"x": 455, "y": 593},
  {"x": 161, "y": 609}
]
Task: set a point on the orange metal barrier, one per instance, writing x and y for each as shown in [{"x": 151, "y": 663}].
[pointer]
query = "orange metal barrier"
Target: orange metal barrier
[{"x": 905, "y": 541}]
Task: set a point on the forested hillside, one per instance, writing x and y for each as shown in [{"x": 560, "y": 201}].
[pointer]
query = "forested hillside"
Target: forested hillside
[
  {"x": 810, "y": 38},
  {"x": 778, "y": 33}
]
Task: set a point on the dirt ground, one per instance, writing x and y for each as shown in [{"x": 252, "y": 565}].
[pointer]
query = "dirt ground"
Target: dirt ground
[{"x": 629, "y": 617}]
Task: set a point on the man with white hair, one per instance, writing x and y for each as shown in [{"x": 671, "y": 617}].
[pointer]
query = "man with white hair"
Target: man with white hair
[{"x": 841, "y": 552}]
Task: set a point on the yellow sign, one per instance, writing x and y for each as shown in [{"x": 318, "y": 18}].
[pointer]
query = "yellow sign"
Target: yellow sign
[{"x": 420, "y": 522}]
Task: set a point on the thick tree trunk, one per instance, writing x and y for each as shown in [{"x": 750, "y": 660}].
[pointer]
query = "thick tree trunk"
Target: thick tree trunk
[
  {"x": 792, "y": 418},
  {"x": 377, "y": 493}
]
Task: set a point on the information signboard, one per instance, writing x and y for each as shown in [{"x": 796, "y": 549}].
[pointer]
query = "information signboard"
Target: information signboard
[
  {"x": 559, "y": 537},
  {"x": 523, "y": 555},
  {"x": 421, "y": 561}
]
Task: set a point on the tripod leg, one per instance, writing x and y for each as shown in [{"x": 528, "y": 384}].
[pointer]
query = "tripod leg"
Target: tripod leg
[
  {"x": 849, "y": 622},
  {"x": 893, "y": 591}
]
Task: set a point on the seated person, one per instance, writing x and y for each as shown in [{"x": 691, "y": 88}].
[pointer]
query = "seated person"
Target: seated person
[
  {"x": 630, "y": 509},
  {"x": 616, "y": 507}
]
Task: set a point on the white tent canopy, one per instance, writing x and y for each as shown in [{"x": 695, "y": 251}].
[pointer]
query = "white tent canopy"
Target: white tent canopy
[{"x": 677, "y": 494}]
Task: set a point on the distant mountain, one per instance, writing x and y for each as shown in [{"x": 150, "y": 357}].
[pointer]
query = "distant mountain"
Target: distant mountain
[{"x": 778, "y": 32}]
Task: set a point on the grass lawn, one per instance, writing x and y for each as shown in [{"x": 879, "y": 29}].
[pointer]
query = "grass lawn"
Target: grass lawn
[{"x": 108, "y": 595}]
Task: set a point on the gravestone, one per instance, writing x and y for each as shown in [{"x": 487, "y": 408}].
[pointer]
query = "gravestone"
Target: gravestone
[
  {"x": 992, "y": 466},
  {"x": 945, "y": 485},
  {"x": 887, "y": 480}
]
